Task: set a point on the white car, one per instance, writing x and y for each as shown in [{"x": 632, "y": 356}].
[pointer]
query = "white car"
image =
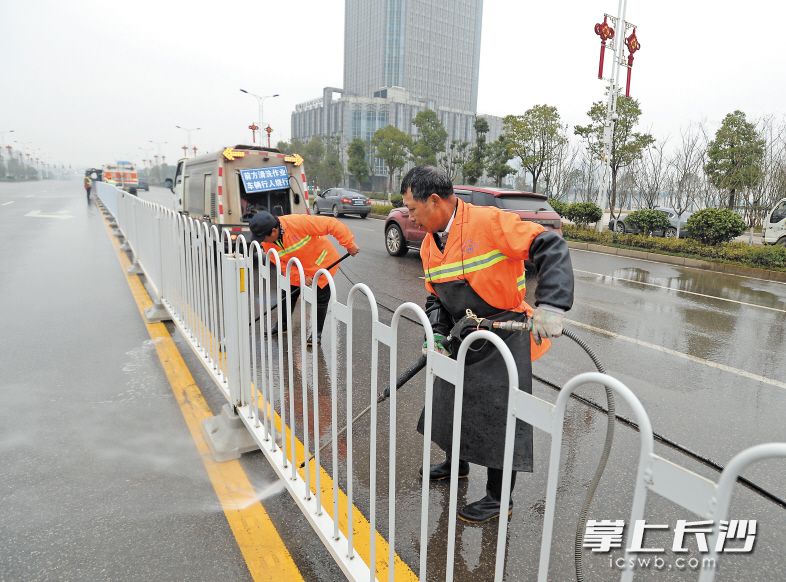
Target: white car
[
  {"x": 621, "y": 226},
  {"x": 775, "y": 225}
]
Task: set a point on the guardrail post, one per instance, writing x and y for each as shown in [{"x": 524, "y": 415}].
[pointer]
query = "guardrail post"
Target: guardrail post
[
  {"x": 225, "y": 433},
  {"x": 157, "y": 313}
]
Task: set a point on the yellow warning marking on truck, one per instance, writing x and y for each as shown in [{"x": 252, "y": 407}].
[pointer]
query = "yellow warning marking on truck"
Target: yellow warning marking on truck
[
  {"x": 296, "y": 159},
  {"x": 264, "y": 552},
  {"x": 231, "y": 154}
]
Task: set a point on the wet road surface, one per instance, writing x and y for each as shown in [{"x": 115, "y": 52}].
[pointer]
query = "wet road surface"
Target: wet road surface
[
  {"x": 100, "y": 478},
  {"x": 660, "y": 329},
  {"x": 700, "y": 350}
]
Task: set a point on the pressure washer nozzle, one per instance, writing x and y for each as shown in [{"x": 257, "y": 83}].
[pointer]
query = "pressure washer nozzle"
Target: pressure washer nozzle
[{"x": 519, "y": 326}]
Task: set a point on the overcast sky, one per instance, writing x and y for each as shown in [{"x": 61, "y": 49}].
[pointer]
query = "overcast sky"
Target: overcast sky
[{"x": 86, "y": 82}]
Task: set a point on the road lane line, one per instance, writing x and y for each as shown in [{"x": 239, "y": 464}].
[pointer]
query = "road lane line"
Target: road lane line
[
  {"x": 265, "y": 553},
  {"x": 612, "y": 277},
  {"x": 7, "y": 203},
  {"x": 665, "y": 350},
  {"x": 678, "y": 266}
]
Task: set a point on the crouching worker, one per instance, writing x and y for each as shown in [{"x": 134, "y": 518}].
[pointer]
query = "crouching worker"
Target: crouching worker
[
  {"x": 304, "y": 237},
  {"x": 473, "y": 258}
]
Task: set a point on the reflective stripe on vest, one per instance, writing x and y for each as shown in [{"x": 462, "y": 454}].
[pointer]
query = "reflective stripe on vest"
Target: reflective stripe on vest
[
  {"x": 521, "y": 282},
  {"x": 298, "y": 245},
  {"x": 321, "y": 257},
  {"x": 471, "y": 265}
]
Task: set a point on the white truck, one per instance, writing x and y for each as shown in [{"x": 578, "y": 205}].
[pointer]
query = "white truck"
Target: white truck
[
  {"x": 775, "y": 225},
  {"x": 228, "y": 187}
]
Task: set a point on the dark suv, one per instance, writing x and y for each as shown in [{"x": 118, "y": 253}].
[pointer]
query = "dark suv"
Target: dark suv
[{"x": 401, "y": 234}]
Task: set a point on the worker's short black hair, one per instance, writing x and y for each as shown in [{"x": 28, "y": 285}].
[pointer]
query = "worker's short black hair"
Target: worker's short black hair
[{"x": 426, "y": 180}]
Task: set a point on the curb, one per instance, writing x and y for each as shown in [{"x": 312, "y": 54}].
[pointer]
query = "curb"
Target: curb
[{"x": 779, "y": 276}]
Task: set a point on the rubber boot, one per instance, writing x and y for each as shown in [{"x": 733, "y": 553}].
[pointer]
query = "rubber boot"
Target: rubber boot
[
  {"x": 441, "y": 470},
  {"x": 488, "y": 507}
]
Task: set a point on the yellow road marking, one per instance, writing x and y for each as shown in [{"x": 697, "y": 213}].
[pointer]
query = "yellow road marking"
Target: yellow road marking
[
  {"x": 361, "y": 528},
  {"x": 266, "y": 556}
]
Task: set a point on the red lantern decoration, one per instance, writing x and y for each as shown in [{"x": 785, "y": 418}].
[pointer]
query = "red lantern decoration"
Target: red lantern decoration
[
  {"x": 633, "y": 45},
  {"x": 253, "y": 127},
  {"x": 605, "y": 32}
]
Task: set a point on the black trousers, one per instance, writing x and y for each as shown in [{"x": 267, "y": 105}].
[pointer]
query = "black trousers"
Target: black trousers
[
  {"x": 494, "y": 482},
  {"x": 323, "y": 299}
]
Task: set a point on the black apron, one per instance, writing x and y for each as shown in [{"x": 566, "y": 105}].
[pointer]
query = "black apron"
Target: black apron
[{"x": 484, "y": 413}]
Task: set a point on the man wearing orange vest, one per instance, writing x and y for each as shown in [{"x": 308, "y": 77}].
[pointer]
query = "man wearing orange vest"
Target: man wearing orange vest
[
  {"x": 473, "y": 258},
  {"x": 304, "y": 237}
]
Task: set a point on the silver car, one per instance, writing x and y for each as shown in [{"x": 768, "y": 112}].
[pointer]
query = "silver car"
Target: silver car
[
  {"x": 622, "y": 227},
  {"x": 341, "y": 201}
]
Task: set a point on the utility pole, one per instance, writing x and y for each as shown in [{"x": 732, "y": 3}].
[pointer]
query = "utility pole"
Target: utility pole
[
  {"x": 188, "y": 131},
  {"x": 261, "y": 103},
  {"x": 617, "y": 33}
]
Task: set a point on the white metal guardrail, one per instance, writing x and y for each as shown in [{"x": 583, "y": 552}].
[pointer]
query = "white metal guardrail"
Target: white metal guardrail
[{"x": 208, "y": 284}]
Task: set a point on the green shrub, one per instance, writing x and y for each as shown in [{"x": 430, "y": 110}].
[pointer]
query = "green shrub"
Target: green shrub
[
  {"x": 382, "y": 209},
  {"x": 648, "y": 220},
  {"x": 559, "y": 206},
  {"x": 583, "y": 213},
  {"x": 715, "y": 225},
  {"x": 767, "y": 257},
  {"x": 770, "y": 257}
]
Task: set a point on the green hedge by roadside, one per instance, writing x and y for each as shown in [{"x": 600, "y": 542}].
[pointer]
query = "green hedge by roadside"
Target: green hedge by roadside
[
  {"x": 765, "y": 257},
  {"x": 381, "y": 209}
]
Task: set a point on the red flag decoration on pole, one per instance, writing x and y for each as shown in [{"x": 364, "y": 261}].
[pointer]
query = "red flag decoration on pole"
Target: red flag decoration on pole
[
  {"x": 633, "y": 45},
  {"x": 605, "y": 32}
]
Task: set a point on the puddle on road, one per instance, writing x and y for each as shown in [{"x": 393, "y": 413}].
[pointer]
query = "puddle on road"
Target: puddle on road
[{"x": 711, "y": 284}]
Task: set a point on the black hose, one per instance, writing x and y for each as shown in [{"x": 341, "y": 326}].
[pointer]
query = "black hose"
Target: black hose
[
  {"x": 626, "y": 421},
  {"x": 578, "y": 548}
]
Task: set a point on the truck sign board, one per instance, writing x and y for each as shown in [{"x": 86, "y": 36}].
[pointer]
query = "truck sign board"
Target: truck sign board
[{"x": 264, "y": 179}]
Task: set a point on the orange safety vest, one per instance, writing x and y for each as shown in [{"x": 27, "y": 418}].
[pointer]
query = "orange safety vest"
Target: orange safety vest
[
  {"x": 304, "y": 238},
  {"x": 487, "y": 248}
]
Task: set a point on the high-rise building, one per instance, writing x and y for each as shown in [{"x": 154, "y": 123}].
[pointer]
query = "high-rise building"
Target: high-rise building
[
  {"x": 400, "y": 58},
  {"x": 431, "y": 48}
]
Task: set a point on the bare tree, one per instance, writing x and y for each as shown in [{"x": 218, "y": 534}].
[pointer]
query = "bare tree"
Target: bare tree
[
  {"x": 772, "y": 186},
  {"x": 651, "y": 174},
  {"x": 626, "y": 186},
  {"x": 559, "y": 173},
  {"x": 589, "y": 185},
  {"x": 685, "y": 171}
]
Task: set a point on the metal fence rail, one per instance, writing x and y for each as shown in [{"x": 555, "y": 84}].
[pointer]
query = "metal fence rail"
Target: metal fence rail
[{"x": 209, "y": 285}]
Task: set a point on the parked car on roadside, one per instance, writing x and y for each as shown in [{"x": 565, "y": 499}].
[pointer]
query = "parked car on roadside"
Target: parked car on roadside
[
  {"x": 341, "y": 201},
  {"x": 622, "y": 226},
  {"x": 775, "y": 225},
  {"x": 401, "y": 234}
]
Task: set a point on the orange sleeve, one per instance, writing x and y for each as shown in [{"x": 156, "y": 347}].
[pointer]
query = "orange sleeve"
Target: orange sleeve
[
  {"x": 323, "y": 226},
  {"x": 513, "y": 235}
]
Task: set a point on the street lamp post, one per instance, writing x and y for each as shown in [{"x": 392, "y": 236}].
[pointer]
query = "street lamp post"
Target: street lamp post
[
  {"x": 188, "y": 131},
  {"x": 261, "y": 103}
]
